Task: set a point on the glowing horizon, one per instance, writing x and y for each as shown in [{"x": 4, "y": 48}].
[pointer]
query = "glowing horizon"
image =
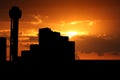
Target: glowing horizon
[{"x": 96, "y": 20}]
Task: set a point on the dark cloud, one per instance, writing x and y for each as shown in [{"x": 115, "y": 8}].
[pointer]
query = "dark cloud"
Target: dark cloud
[
  {"x": 33, "y": 39},
  {"x": 26, "y": 41},
  {"x": 100, "y": 45}
]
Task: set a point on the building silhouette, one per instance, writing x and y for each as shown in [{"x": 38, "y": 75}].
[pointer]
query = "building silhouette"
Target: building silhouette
[
  {"x": 15, "y": 13},
  {"x": 52, "y": 48},
  {"x": 2, "y": 49}
]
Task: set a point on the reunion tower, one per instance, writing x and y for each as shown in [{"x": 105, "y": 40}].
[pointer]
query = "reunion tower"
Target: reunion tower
[{"x": 15, "y": 14}]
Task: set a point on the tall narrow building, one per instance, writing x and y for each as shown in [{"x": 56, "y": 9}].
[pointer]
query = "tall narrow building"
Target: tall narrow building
[{"x": 15, "y": 14}]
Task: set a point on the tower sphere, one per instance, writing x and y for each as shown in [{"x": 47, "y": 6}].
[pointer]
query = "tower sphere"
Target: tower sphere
[{"x": 15, "y": 13}]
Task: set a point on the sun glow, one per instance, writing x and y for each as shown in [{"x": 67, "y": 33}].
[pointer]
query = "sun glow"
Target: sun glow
[{"x": 71, "y": 34}]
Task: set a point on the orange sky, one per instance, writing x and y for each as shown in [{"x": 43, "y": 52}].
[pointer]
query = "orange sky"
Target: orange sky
[{"x": 98, "y": 18}]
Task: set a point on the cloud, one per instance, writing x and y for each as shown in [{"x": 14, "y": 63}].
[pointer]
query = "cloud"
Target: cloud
[
  {"x": 5, "y": 33},
  {"x": 1, "y": 31},
  {"x": 100, "y": 45},
  {"x": 26, "y": 41},
  {"x": 28, "y": 38},
  {"x": 38, "y": 19},
  {"x": 33, "y": 39}
]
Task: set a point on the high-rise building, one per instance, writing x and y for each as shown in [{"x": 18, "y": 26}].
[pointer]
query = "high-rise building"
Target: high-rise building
[
  {"x": 53, "y": 48},
  {"x": 2, "y": 49},
  {"x": 15, "y": 13}
]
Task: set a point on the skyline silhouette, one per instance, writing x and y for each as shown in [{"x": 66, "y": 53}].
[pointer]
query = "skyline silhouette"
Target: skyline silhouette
[
  {"x": 92, "y": 24},
  {"x": 52, "y": 48}
]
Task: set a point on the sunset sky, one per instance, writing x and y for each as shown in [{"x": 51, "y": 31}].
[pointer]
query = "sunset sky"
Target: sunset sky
[{"x": 93, "y": 24}]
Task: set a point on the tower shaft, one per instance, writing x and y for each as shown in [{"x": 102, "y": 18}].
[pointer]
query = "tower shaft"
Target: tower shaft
[{"x": 14, "y": 39}]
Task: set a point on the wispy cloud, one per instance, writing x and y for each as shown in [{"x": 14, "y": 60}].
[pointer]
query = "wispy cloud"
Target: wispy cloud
[
  {"x": 38, "y": 19},
  {"x": 5, "y": 33}
]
